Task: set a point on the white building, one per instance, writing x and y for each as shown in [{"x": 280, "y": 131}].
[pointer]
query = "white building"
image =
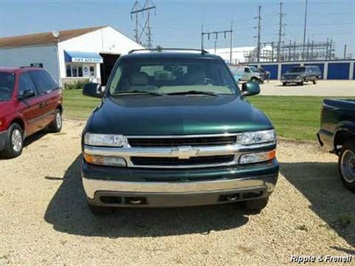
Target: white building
[
  {"x": 243, "y": 54},
  {"x": 68, "y": 55}
]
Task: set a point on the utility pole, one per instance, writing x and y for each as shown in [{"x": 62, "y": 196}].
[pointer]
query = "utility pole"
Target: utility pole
[
  {"x": 202, "y": 46},
  {"x": 259, "y": 31},
  {"x": 280, "y": 34},
  {"x": 215, "y": 34},
  {"x": 146, "y": 28},
  {"x": 305, "y": 29},
  {"x": 345, "y": 51},
  {"x": 231, "y": 45}
]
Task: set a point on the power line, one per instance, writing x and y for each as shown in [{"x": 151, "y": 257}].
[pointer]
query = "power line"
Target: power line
[
  {"x": 305, "y": 26},
  {"x": 280, "y": 33},
  {"x": 259, "y": 33},
  {"x": 215, "y": 34},
  {"x": 146, "y": 28}
]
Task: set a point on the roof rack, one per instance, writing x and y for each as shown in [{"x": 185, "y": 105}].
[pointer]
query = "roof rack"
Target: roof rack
[{"x": 202, "y": 51}]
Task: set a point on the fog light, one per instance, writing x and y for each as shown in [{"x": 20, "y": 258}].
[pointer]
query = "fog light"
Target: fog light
[
  {"x": 103, "y": 160},
  {"x": 257, "y": 157}
]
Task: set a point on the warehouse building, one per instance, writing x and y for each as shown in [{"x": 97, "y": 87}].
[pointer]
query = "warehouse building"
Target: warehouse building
[{"x": 69, "y": 55}]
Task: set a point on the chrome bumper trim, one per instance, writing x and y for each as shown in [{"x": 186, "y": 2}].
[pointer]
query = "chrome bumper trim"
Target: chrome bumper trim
[{"x": 91, "y": 186}]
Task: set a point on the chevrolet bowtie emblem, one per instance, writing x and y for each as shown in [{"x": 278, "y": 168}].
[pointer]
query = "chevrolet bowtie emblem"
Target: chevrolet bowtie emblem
[{"x": 184, "y": 152}]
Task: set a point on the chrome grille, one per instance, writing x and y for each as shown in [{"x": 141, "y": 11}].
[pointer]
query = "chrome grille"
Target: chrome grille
[
  {"x": 183, "y": 141},
  {"x": 165, "y": 161}
]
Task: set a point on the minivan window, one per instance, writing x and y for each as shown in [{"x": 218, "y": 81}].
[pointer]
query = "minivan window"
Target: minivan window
[
  {"x": 43, "y": 81},
  {"x": 7, "y": 82},
  {"x": 172, "y": 75},
  {"x": 25, "y": 84}
]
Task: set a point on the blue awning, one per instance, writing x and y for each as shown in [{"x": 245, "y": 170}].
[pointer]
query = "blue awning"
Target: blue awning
[{"x": 82, "y": 57}]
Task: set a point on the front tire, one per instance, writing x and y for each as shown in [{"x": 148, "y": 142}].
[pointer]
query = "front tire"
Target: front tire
[
  {"x": 56, "y": 125},
  {"x": 255, "y": 206},
  {"x": 14, "y": 141},
  {"x": 284, "y": 83},
  {"x": 315, "y": 80},
  {"x": 255, "y": 80},
  {"x": 346, "y": 165}
]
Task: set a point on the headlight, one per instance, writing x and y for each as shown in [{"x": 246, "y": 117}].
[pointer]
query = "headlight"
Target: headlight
[
  {"x": 105, "y": 160},
  {"x": 105, "y": 140},
  {"x": 257, "y": 157},
  {"x": 256, "y": 137},
  {"x": 298, "y": 77}
]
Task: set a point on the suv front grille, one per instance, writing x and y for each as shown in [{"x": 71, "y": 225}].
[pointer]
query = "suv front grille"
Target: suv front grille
[
  {"x": 164, "y": 161},
  {"x": 186, "y": 141}
]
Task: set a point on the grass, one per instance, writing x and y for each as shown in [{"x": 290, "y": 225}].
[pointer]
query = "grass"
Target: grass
[
  {"x": 78, "y": 106},
  {"x": 294, "y": 117}
]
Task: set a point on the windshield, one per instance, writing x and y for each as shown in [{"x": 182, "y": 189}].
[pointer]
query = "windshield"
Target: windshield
[
  {"x": 7, "y": 81},
  {"x": 172, "y": 76},
  {"x": 254, "y": 69},
  {"x": 297, "y": 69}
]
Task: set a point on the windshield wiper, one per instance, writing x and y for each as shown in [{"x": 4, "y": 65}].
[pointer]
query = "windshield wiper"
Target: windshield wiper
[
  {"x": 193, "y": 92},
  {"x": 139, "y": 92}
]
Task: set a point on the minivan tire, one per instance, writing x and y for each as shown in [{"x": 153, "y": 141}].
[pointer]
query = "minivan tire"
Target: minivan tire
[
  {"x": 13, "y": 142},
  {"x": 56, "y": 125}
]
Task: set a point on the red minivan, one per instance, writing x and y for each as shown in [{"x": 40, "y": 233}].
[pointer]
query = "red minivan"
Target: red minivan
[{"x": 30, "y": 100}]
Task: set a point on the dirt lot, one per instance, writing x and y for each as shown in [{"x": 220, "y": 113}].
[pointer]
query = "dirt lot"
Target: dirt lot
[{"x": 44, "y": 219}]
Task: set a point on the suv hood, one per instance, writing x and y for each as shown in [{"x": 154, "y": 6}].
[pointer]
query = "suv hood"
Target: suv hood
[{"x": 176, "y": 115}]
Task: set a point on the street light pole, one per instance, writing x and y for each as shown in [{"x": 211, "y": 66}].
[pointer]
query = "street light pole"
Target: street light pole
[{"x": 56, "y": 35}]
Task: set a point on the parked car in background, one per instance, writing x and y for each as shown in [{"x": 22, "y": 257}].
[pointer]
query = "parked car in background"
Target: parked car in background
[
  {"x": 30, "y": 100},
  {"x": 175, "y": 130},
  {"x": 301, "y": 74},
  {"x": 337, "y": 135},
  {"x": 247, "y": 73}
]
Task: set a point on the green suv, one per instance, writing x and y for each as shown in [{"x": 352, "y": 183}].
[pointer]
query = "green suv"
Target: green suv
[{"x": 174, "y": 129}]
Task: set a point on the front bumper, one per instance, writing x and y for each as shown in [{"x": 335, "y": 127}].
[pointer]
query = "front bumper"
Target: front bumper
[
  {"x": 128, "y": 187},
  {"x": 2, "y": 139},
  {"x": 291, "y": 80},
  {"x": 325, "y": 140}
]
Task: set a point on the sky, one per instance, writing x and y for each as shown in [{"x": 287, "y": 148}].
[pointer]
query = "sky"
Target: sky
[{"x": 179, "y": 23}]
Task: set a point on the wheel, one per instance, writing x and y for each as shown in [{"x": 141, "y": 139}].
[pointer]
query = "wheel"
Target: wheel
[
  {"x": 14, "y": 141},
  {"x": 255, "y": 80},
  {"x": 315, "y": 80},
  {"x": 56, "y": 125},
  {"x": 300, "y": 83},
  {"x": 284, "y": 83},
  {"x": 346, "y": 165},
  {"x": 100, "y": 210},
  {"x": 255, "y": 206}
]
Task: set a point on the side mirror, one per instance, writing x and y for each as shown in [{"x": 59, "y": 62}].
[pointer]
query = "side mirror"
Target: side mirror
[
  {"x": 26, "y": 94},
  {"x": 250, "y": 88},
  {"x": 92, "y": 90}
]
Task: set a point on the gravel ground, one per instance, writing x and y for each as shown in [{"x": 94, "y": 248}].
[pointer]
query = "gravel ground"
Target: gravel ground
[
  {"x": 44, "y": 219},
  {"x": 322, "y": 88}
]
